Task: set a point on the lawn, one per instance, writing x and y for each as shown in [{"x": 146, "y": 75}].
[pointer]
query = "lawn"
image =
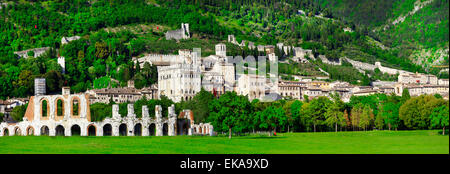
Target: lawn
[{"x": 372, "y": 142}]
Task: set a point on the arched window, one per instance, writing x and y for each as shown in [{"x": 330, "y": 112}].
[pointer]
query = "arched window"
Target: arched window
[
  {"x": 59, "y": 107},
  {"x": 30, "y": 130},
  {"x": 75, "y": 107},
  {"x": 59, "y": 130},
  {"x": 45, "y": 130},
  {"x": 44, "y": 108},
  {"x": 138, "y": 130},
  {"x": 107, "y": 130},
  {"x": 75, "y": 130},
  {"x": 152, "y": 130},
  {"x": 92, "y": 131},
  {"x": 123, "y": 130}
]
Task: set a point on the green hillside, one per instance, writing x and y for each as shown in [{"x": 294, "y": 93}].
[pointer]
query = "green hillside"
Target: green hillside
[
  {"x": 115, "y": 31},
  {"x": 417, "y": 30}
]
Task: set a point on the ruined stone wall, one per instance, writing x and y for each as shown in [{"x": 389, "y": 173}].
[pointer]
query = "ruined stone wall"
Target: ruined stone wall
[{"x": 133, "y": 126}]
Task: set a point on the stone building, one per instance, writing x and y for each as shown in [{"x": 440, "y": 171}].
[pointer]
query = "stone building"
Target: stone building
[
  {"x": 62, "y": 63},
  {"x": 319, "y": 84},
  {"x": 251, "y": 85},
  {"x": 417, "y": 78},
  {"x": 39, "y": 86},
  {"x": 251, "y": 45},
  {"x": 69, "y": 114},
  {"x": 365, "y": 92},
  {"x": 314, "y": 92},
  {"x": 182, "y": 33},
  {"x": 37, "y": 52},
  {"x": 121, "y": 95},
  {"x": 443, "y": 82},
  {"x": 66, "y": 40},
  {"x": 386, "y": 89},
  {"x": 417, "y": 89},
  {"x": 214, "y": 83},
  {"x": 301, "y": 53},
  {"x": 291, "y": 89},
  {"x": 180, "y": 81},
  {"x": 219, "y": 65}
]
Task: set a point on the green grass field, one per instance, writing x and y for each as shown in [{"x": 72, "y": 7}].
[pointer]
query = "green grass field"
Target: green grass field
[{"x": 373, "y": 142}]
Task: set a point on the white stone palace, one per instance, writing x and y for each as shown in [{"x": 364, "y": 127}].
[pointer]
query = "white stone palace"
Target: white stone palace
[{"x": 69, "y": 114}]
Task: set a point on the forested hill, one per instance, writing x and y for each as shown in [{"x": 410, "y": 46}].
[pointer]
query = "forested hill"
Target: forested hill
[
  {"x": 114, "y": 31},
  {"x": 417, "y": 29}
]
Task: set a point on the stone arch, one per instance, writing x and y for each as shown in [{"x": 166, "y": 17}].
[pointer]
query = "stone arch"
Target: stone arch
[
  {"x": 152, "y": 129},
  {"x": 75, "y": 106},
  {"x": 5, "y": 132},
  {"x": 17, "y": 131},
  {"x": 45, "y": 130},
  {"x": 91, "y": 130},
  {"x": 200, "y": 130},
  {"x": 75, "y": 130},
  {"x": 107, "y": 130},
  {"x": 123, "y": 129},
  {"x": 30, "y": 130},
  {"x": 183, "y": 126},
  {"x": 165, "y": 129},
  {"x": 45, "y": 108},
  {"x": 59, "y": 130},
  {"x": 195, "y": 129},
  {"x": 138, "y": 129},
  {"x": 59, "y": 107}
]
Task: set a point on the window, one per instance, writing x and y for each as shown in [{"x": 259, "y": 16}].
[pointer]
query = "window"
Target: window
[
  {"x": 59, "y": 107},
  {"x": 75, "y": 107},
  {"x": 44, "y": 108}
]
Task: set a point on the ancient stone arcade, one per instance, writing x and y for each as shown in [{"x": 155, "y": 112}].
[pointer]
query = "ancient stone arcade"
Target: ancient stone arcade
[{"x": 69, "y": 114}]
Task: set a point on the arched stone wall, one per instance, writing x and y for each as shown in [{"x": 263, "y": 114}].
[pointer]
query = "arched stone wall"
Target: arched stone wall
[
  {"x": 75, "y": 129},
  {"x": 91, "y": 130},
  {"x": 30, "y": 130},
  {"x": 45, "y": 104},
  {"x": 58, "y": 108},
  {"x": 73, "y": 101},
  {"x": 149, "y": 126}
]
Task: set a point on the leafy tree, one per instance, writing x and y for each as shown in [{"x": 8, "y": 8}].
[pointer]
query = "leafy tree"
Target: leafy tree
[
  {"x": 101, "y": 50},
  {"x": 356, "y": 115},
  {"x": 379, "y": 121},
  {"x": 2, "y": 115},
  {"x": 334, "y": 115},
  {"x": 18, "y": 112},
  {"x": 365, "y": 117},
  {"x": 439, "y": 117},
  {"x": 390, "y": 114},
  {"x": 99, "y": 111},
  {"x": 296, "y": 109},
  {"x": 405, "y": 95},
  {"x": 272, "y": 117},
  {"x": 316, "y": 110},
  {"x": 229, "y": 111},
  {"x": 54, "y": 81},
  {"x": 415, "y": 112}
]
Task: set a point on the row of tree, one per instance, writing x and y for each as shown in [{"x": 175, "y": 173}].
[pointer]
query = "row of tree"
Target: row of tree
[{"x": 234, "y": 113}]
